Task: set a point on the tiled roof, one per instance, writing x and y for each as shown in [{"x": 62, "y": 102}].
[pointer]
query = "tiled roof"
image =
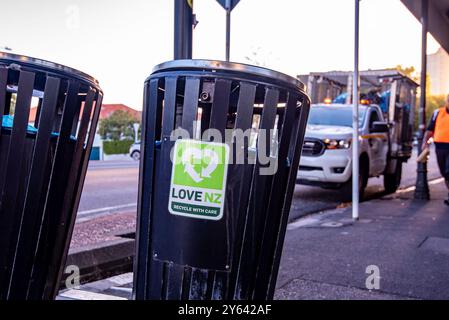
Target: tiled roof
[{"x": 108, "y": 109}]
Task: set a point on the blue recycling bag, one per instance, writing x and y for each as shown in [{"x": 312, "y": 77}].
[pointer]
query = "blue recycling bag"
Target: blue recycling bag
[{"x": 8, "y": 121}]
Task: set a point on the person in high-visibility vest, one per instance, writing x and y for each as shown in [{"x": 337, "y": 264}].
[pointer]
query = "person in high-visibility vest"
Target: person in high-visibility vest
[{"x": 438, "y": 129}]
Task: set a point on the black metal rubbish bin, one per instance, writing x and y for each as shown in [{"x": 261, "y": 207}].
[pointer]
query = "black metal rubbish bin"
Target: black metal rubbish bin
[
  {"x": 188, "y": 246},
  {"x": 48, "y": 117}
]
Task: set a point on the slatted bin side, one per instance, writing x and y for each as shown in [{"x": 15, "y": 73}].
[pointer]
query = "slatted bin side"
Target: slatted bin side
[{"x": 49, "y": 118}]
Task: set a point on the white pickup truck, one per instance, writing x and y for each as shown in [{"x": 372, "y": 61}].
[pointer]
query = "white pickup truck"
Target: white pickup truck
[
  {"x": 327, "y": 152},
  {"x": 387, "y": 109}
]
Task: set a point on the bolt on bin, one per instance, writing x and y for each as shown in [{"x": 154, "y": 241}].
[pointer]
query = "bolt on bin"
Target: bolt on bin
[
  {"x": 48, "y": 117},
  {"x": 212, "y": 209}
]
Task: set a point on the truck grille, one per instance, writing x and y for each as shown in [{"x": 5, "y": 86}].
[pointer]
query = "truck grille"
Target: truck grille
[{"x": 312, "y": 147}]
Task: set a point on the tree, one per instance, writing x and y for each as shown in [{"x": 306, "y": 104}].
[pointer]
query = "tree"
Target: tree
[
  {"x": 434, "y": 102},
  {"x": 408, "y": 71},
  {"x": 118, "y": 126}
]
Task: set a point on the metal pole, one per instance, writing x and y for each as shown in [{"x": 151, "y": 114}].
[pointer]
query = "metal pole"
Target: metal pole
[
  {"x": 355, "y": 119},
  {"x": 183, "y": 29},
  {"x": 422, "y": 186},
  {"x": 228, "y": 29}
]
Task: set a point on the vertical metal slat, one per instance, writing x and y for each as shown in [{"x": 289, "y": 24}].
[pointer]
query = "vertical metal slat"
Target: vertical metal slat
[
  {"x": 67, "y": 219},
  {"x": 55, "y": 194},
  {"x": 272, "y": 222},
  {"x": 31, "y": 218},
  {"x": 169, "y": 107},
  {"x": 243, "y": 174},
  {"x": 198, "y": 286},
  {"x": 294, "y": 154},
  {"x": 220, "y": 105},
  {"x": 190, "y": 108},
  {"x": 3, "y": 82},
  {"x": 146, "y": 175},
  {"x": 174, "y": 282},
  {"x": 9, "y": 219},
  {"x": 256, "y": 213}
]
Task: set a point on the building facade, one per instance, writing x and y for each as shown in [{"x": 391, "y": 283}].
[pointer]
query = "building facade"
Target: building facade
[{"x": 438, "y": 70}]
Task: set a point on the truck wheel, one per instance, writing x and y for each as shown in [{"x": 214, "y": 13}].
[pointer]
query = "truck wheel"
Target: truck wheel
[
  {"x": 392, "y": 181},
  {"x": 363, "y": 182}
]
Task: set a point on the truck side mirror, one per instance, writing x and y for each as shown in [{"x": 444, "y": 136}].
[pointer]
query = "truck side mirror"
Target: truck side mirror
[{"x": 379, "y": 126}]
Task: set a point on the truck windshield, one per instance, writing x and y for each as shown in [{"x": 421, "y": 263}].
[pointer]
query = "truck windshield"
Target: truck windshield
[{"x": 334, "y": 116}]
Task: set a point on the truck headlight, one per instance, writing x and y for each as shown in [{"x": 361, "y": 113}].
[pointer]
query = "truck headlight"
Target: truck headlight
[{"x": 332, "y": 144}]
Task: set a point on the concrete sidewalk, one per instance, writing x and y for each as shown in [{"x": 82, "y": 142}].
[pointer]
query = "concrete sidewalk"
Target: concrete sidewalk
[{"x": 326, "y": 255}]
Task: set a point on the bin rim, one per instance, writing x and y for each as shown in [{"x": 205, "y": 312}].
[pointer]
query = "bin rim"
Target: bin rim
[
  {"x": 45, "y": 65},
  {"x": 201, "y": 64}
]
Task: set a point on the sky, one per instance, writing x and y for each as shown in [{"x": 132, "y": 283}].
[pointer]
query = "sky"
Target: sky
[{"x": 119, "y": 42}]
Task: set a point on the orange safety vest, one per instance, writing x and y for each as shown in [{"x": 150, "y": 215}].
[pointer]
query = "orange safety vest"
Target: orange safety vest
[{"x": 441, "y": 132}]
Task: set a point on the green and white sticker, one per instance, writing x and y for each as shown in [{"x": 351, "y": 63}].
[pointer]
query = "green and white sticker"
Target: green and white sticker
[{"x": 198, "y": 179}]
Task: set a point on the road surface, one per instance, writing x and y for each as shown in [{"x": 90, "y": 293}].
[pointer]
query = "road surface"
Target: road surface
[
  {"x": 312, "y": 199},
  {"x": 111, "y": 186}
]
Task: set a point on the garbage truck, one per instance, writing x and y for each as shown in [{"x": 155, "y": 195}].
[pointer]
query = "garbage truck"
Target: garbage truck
[{"x": 386, "y": 121}]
